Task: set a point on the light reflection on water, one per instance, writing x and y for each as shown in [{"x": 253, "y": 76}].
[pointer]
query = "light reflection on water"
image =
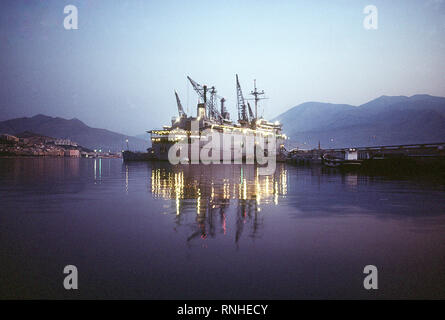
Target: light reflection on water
[
  {"x": 215, "y": 189},
  {"x": 204, "y": 232}
]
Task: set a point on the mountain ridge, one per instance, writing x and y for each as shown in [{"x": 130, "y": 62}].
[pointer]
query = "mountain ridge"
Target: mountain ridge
[
  {"x": 75, "y": 130},
  {"x": 385, "y": 120}
]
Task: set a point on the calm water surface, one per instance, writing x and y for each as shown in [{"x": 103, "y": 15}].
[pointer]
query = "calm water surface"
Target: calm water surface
[{"x": 151, "y": 230}]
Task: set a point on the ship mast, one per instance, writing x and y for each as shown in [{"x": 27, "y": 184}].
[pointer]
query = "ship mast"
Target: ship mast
[{"x": 257, "y": 95}]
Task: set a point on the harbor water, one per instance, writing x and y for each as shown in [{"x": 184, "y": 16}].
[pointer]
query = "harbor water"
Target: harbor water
[{"x": 151, "y": 230}]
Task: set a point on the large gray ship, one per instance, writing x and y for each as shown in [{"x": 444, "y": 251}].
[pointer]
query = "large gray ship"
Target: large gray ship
[{"x": 212, "y": 114}]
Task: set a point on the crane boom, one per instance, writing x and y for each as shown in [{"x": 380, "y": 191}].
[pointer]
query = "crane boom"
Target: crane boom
[
  {"x": 250, "y": 111},
  {"x": 210, "y": 103},
  {"x": 180, "y": 108},
  {"x": 197, "y": 87},
  {"x": 242, "y": 114}
]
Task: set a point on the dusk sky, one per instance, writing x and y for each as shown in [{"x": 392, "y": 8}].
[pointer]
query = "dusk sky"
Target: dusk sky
[{"x": 119, "y": 70}]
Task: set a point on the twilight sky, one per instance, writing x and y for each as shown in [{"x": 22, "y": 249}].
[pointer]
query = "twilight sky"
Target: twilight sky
[{"x": 119, "y": 70}]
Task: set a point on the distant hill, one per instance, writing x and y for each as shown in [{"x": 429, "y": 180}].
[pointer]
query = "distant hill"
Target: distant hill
[
  {"x": 75, "y": 130},
  {"x": 386, "y": 120},
  {"x": 144, "y": 136}
]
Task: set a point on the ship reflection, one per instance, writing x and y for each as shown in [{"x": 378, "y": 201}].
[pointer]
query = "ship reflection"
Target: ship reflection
[{"x": 213, "y": 193}]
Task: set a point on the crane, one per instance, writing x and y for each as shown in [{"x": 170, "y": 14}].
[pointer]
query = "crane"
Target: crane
[
  {"x": 180, "y": 109},
  {"x": 210, "y": 103},
  {"x": 251, "y": 116},
  {"x": 242, "y": 112}
]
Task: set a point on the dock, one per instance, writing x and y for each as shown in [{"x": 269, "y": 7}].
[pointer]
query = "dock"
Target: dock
[{"x": 407, "y": 158}]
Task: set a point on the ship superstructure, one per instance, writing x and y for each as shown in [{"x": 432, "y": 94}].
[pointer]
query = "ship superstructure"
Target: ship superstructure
[{"x": 212, "y": 114}]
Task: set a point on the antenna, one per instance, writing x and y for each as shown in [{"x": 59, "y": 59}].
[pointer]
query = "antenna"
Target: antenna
[{"x": 257, "y": 95}]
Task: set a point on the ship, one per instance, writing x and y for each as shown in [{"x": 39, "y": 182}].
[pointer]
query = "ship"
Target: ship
[{"x": 212, "y": 116}]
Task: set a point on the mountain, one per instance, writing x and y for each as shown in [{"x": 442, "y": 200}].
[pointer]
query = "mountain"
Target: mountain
[
  {"x": 75, "y": 130},
  {"x": 143, "y": 136},
  {"x": 387, "y": 120}
]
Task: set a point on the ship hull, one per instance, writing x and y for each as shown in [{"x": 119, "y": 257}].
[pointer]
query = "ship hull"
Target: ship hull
[
  {"x": 232, "y": 154},
  {"x": 137, "y": 156}
]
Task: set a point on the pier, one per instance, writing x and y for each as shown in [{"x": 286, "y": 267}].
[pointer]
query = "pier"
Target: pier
[{"x": 407, "y": 158}]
